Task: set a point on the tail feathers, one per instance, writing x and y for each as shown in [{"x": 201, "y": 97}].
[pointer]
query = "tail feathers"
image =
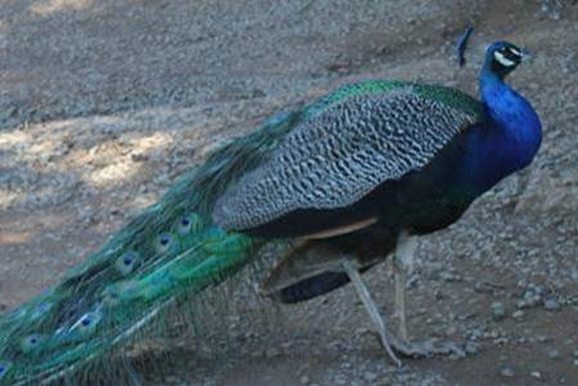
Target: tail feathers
[
  {"x": 57, "y": 333},
  {"x": 170, "y": 252},
  {"x": 313, "y": 287}
]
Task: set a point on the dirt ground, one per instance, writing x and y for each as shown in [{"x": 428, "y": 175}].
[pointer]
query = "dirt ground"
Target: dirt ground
[{"x": 104, "y": 103}]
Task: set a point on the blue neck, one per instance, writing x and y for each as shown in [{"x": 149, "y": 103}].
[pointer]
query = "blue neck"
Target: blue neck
[{"x": 507, "y": 140}]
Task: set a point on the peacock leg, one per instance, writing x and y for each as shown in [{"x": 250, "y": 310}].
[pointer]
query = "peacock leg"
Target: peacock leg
[
  {"x": 403, "y": 263},
  {"x": 371, "y": 309}
]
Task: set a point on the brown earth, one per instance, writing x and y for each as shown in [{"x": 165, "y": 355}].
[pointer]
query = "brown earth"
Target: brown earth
[{"x": 104, "y": 103}]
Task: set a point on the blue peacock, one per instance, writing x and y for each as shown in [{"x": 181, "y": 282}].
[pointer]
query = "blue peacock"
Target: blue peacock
[{"x": 338, "y": 185}]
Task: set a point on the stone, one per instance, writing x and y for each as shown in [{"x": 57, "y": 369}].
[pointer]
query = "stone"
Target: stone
[{"x": 507, "y": 372}]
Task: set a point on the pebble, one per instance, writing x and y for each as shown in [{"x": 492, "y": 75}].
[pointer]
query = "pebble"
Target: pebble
[
  {"x": 554, "y": 354},
  {"x": 552, "y": 304},
  {"x": 486, "y": 251},
  {"x": 499, "y": 310},
  {"x": 518, "y": 314},
  {"x": 339, "y": 380},
  {"x": 172, "y": 379},
  {"x": 507, "y": 372},
  {"x": 457, "y": 355},
  {"x": 536, "y": 374},
  {"x": 483, "y": 287},
  {"x": 531, "y": 298},
  {"x": 450, "y": 277},
  {"x": 304, "y": 380},
  {"x": 472, "y": 347},
  {"x": 541, "y": 338},
  {"x": 272, "y": 353},
  {"x": 370, "y": 376}
]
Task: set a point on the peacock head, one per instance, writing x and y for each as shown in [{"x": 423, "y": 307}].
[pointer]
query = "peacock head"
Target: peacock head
[{"x": 502, "y": 58}]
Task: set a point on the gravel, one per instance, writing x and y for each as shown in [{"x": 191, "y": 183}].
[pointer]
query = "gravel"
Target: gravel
[
  {"x": 104, "y": 104},
  {"x": 507, "y": 372}
]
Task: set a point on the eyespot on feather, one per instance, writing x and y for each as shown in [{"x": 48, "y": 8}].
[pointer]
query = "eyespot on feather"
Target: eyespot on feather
[
  {"x": 5, "y": 368},
  {"x": 126, "y": 262},
  {"x": 191, "y": 223},
  {"x": 165, "y": 242},
  {"x": 184, "y": 226},
  {"x": 120, "y": 292},
  {"x": 87, "y": 323},
  {"x": 32, "y": 343},
  {"x": 41, "y": 310},
  {"x": 111, "y": 296}
]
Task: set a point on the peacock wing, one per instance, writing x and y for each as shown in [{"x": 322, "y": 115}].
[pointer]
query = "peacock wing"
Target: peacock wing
[{"x": 340, "y": 154}]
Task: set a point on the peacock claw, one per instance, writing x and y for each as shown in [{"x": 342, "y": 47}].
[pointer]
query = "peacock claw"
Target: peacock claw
[
  {"x": 414, "y": 350},
  {"x": 426, "y": 349}
]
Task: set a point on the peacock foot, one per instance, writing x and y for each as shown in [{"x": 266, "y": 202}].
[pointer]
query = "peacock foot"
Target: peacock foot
[
  {"x": 407, "y": 349},
  {"x": 426, "y": 349}
]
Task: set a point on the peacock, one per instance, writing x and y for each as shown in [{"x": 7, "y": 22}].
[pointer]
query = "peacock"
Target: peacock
[{"x": 337, "y": 186}]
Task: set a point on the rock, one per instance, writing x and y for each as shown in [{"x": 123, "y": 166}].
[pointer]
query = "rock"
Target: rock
[
  {"x": 272, "y": 353},
  {"x": 370, "y": 376},
  {"x": 451, "y": 331},
  {"x": 172, "y": 379},
  {"x": 507, "y": 372},
  {"x": 499, "y": 311},
  {"x": 518, "y": 314},
  {"x": 472, "y": 347},
  {"x": 542, "y": 338},
  {"x": 536, "y": 374},
  {"x": 532, "y": 298},
  {"x": 340, "y": 380},
  {"x": 552, "y": 304}
]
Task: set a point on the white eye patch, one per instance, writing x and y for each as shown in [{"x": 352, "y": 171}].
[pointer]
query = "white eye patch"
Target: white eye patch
[
  {"x": 515, "y": 51},
  {"x": 503, "y": 60}
]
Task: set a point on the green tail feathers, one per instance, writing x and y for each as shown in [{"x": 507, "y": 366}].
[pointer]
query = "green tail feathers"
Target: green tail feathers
[{"x": 171, "y": 251}]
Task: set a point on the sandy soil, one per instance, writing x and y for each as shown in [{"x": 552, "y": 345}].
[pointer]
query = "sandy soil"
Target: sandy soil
[{"x": 104, "y": 103}]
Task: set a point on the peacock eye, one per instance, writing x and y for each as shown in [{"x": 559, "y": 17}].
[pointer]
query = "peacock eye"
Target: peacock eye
[
  {"x": 88, "y": 321},
  {"x": 126, "y": 262},
  {"x": 31, "y": 342},
  {"x": 4, "y": 368},
  {"x": 41, "y": 310},
  {"x": 84, "y": 326},
  {"x": 164, "y": 242},
  {"x": 111, "y": 296},
  {"x": 44, "y": 307},
  {"x": 185, "y": 225}
]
